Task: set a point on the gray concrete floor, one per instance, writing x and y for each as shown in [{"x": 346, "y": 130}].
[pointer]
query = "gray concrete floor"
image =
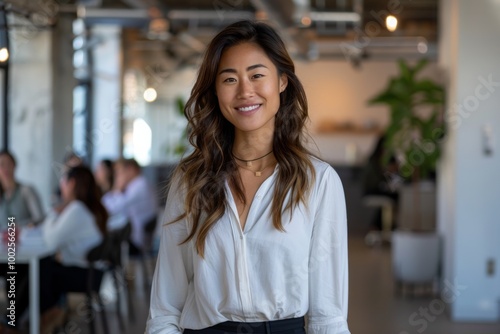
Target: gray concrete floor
[
  {"x": 375, "y": 309},
  {"x": 373, "y": 306}
]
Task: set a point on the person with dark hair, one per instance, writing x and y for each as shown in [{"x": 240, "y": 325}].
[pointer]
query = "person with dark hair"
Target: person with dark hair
[
  {"x": 17, "y": 200},
  {"x": 255, "y": 233},
  {"x": 73, "y": 229},
  {"x": 104, "y": 175},
  {"x": 132, "y": 198},
  {"x": 71, "y": 159}
]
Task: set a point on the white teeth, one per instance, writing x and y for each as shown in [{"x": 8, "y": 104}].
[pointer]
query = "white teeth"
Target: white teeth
[{"x": 249, "y": 108}]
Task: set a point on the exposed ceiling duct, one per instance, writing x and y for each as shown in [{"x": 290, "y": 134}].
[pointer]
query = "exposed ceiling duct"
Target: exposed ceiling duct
[
  {"x": 377, "y": 48},
  {"x": 209, "y": 15},
  {"x": 271, "y": 15},
  {"x": 312, "y": 29},
  {"x": 122, "y": 17}
]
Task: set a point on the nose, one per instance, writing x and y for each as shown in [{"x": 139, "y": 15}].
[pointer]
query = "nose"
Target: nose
[{"x": 245, "y": 88}]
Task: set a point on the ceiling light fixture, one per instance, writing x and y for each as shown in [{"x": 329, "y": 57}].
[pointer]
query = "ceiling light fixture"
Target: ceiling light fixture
[
  {"x": 4, "y": 55},
  {"x": 306, "y": 21},
  {"x": 150, "y": 94},
  {"x": 391, "y": 22}
]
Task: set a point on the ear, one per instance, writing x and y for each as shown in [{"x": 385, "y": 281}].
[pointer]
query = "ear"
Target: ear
[{"x": 283, "y": 82}]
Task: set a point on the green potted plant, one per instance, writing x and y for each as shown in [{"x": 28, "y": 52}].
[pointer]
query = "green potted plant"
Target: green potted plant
[
  {"x": 176, "y": 149},
  {"x": 412, "y": 137},
  {"x": 183, "y": 143},
  {"x": 416, "y": 124}
]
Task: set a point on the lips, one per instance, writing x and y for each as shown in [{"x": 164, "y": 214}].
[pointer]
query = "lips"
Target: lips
[{"x": 248, "y": 108}]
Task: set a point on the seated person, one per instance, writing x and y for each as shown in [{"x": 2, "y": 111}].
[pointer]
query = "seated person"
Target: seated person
[
  {"x": 72, "y": 229},
  {"x": 104, "y": 175},
  {"x": 17, "y": 200},
  {"x": 132, "y": 197},
  {"x": 71, "y": 159}
]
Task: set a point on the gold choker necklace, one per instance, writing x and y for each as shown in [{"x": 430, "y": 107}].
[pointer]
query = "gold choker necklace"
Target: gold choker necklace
[
  {"x": 257, "y": 172},
  {"x": 249, "y": 162}
]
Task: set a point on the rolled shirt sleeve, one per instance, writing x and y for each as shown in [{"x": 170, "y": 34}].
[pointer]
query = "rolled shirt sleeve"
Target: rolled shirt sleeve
[{"x": 328, "y": 266}]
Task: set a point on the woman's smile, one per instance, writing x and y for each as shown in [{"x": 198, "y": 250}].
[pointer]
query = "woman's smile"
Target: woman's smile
[{"x": 248, "y": 110}]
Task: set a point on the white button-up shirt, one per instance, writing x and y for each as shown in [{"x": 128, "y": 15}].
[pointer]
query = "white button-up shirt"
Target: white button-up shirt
[
  {"x": 73, "y": 233},
  {"x": 258, "y": 273}
]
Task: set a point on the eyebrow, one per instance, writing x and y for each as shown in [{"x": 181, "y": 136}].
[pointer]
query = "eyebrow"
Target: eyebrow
[{"x": 249, "y": 68}]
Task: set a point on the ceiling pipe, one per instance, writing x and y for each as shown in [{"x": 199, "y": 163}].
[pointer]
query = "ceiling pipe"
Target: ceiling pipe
[
  {"x": 334, "y": 16},
  {"x": 274, "y": 17},
  {"x": 305, "y": 16},
  {"x": 90, "y": 13},
  {"x": 396, "y": 46},
  {"x": 209, "y": 15},
  {"x": 112, "y": 13},
  {"x": 121, "y": 17}
]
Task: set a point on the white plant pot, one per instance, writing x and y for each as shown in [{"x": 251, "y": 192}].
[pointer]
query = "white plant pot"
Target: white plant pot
[{"x": 415, "y": 257}]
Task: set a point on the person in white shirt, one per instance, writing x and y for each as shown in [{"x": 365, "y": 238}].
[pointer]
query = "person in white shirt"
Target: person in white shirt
[
  {"x": 132, "y": 199},
  {"x": 72, "y": 230},
  {"x": 255, "y": 232}
]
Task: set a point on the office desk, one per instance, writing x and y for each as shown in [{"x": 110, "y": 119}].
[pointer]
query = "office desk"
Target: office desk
[{"x": 30, "y": 255}]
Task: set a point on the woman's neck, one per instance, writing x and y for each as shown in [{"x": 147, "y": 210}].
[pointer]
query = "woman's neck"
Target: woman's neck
[
  {"x": 253, "y": 156},
  {"x": 250, "y": 146}
]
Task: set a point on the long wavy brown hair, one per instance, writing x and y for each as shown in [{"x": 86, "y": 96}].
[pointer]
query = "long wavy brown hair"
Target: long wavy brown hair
[{"x": 203, "y": 173}]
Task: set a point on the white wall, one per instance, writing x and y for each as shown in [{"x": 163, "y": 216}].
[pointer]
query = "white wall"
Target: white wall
[
  {"x": 31, "y": 110},
  {"x": 41, "y": 104},
  {"x": 469, "y": 215},
  {"x": 338, "y": 94}
]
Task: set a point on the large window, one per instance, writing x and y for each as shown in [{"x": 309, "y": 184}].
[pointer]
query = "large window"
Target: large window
[{"x": 82, "y": 144}]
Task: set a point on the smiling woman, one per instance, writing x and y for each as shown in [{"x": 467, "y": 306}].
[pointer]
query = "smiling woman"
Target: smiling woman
[{"x": 255, "y": 231}]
